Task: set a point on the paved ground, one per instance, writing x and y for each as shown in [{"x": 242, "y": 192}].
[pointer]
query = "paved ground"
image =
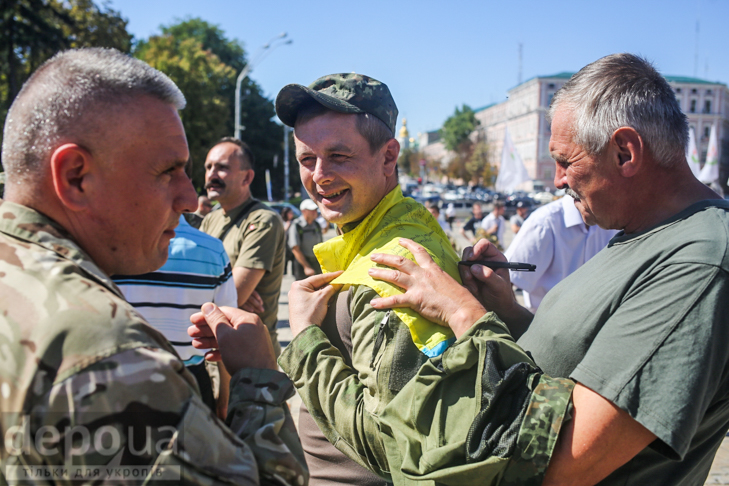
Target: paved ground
[
  {"x": 719, "y": 474},
  {"x": 720, "y": 469}
]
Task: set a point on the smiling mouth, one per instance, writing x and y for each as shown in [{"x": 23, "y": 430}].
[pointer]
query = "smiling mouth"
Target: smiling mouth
[{"x": 333, "y": 197}]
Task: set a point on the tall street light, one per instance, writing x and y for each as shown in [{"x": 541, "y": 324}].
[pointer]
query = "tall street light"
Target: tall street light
[{"x": 265, "y": 49}]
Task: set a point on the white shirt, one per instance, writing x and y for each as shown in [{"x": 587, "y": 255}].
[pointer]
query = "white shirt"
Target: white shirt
[
  {"x": 490, "y": 220},
  {"x": 557, "y": 241}
]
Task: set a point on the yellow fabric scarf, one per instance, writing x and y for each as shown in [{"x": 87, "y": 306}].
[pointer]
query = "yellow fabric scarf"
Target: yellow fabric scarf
[{"x": 393, "y": 218}]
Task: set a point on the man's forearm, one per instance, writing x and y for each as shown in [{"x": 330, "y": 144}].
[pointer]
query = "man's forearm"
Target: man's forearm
[
  {"x": 517, "y": 319},
  {"x": 246, "y": 280},
  {"x": 299, "y": 255},
  {"x": 504, "y": 433}
]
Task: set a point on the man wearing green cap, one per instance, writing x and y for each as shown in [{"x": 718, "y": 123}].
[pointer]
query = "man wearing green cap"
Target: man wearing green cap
[
  {"x": 349, "y": 360},
  {"x": 344, "y": 125}
]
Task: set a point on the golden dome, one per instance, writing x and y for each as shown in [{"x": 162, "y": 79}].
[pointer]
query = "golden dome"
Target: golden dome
[{"x": 404, "y": 135}]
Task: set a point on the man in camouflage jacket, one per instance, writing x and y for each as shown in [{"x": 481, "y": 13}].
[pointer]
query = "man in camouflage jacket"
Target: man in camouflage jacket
[
  {"x": 360, "y": 396},
  {"x": 88, "y": 390}
]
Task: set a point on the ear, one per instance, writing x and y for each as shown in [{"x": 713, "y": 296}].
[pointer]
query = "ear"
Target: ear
[
  {"x": 249, "y": 177},
  {"x": 628, "y": 151},
  {"x": 71, "y": 165},
  {"x": 391, "y": 150}
]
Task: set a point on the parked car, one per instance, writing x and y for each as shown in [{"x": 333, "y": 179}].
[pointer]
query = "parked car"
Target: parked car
[{"x": 280, "y": 205}]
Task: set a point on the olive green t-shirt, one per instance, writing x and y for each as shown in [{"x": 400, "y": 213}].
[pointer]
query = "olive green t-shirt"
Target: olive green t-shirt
[
  {"x": 645, "y": 323},
  {"x": 256, "y": 241}
]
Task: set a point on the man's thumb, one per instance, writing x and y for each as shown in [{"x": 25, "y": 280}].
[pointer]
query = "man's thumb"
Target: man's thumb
[{"x": 214, "y": 317}]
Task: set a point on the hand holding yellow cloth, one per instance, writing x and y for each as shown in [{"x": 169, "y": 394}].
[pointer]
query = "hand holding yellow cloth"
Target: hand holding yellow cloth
[{"x": 393, "y": 218}]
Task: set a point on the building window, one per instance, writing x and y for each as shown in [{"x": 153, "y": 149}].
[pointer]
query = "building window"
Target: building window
[
  {"x": 550, "y": 86},
  {"x": 707, "y": 130},
  {"x": 708, "y": 92},
  {"x": 693, "y": 106},
  {"x": 707, "y": 106},
  {"x": 693, "y": 91},
  {"x": 678, "y": 90}
]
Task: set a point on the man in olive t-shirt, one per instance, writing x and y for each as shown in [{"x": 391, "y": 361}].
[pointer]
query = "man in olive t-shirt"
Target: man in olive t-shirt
[
  {"x": 252, "y": 233},
  {"x": 642, "y": 327}
]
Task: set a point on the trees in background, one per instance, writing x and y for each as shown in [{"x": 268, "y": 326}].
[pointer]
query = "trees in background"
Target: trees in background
[
  {"x": 470, "y": 160},
  {"x": 31, "y": 31},
  {"x": 205, "y": 64},
  {"x": 195, "y": 54}
]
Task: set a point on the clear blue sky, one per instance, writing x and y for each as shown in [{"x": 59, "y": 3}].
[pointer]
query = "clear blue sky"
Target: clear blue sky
[{"x": 435, "y": 56}]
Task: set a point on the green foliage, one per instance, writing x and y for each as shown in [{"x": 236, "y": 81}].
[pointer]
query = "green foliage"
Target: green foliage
[
  {"x": 32, "y": 31},
  {"x": 478, "y": 166},
  {"x": 470, "y": 161},
  {"x": 202, "y": 77},
  {"x": 458, "y": 127},
  {"x": 409, "y": 162},
  {"x": 94, "y": 27},
  {"x": 205, "y": 64}
]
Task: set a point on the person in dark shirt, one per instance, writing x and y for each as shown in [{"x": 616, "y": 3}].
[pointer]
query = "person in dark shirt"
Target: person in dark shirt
[{"x": 471, "y": 224}]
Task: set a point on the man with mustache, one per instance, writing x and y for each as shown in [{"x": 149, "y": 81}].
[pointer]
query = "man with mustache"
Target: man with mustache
[{"x": 252, "y": 233}]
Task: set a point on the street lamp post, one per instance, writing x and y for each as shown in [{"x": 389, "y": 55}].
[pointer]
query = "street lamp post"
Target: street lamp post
[
  {"x": 262, "y": 53},
  {"x": 286, "y": 162}
]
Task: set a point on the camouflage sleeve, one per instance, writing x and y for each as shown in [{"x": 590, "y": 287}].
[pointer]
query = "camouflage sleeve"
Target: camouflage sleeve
[
  {"x": 258, "y": 413},
  {"x": 482, "y": 413},
  {"x": 135, "y": 416}
]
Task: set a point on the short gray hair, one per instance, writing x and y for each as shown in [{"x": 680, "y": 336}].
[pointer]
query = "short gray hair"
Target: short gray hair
[
  {"x": 624, "y": 90},
  {"x": 66, "y": 94}
]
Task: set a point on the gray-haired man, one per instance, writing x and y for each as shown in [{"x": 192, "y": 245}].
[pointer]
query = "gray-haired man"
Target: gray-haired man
[
  {"x": 86, "y": 383},
  {"x": 642, "y": 326}
]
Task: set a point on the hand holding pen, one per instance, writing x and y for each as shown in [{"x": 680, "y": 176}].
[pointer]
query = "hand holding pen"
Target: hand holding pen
[{"x": 521, "y": 267}]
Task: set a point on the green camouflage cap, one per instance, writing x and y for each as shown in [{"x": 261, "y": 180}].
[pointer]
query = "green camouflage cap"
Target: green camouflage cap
[{"x": 343, "y": 92}]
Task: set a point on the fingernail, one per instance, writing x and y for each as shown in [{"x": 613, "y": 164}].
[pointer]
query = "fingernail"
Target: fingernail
[{"x": 208, "y": 308}]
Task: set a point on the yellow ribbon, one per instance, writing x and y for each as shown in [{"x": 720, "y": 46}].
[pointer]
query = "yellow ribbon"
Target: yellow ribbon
[{"x": 393, "y": 218}]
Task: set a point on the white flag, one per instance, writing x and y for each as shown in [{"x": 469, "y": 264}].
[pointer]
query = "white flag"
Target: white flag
[
  {"x": 692, "y": 154},
  {"x": 512, "y": 171},
  {"x": 710, "y": 171}
]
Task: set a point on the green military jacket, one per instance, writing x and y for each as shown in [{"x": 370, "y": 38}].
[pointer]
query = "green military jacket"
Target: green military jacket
[
  {"x": 89, "y": 391},
  {"x": 481, "y": 413}
]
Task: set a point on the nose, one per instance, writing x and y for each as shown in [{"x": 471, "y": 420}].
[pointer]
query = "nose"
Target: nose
[
  {"x": 209, "y": 173},
  {"x": 322, "y": 173},
  {"x": 186, "y": 199}
]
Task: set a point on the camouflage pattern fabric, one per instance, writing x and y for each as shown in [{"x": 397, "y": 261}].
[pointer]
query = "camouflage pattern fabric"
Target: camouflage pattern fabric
[
  {"x": 481, "y": 413},
  {"x": 342, "y": 92},
  {"x": 90, "y": 393}
]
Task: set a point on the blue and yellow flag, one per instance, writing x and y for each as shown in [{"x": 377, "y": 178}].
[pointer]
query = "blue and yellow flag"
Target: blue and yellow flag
[{"x": 380, "y": 232}]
